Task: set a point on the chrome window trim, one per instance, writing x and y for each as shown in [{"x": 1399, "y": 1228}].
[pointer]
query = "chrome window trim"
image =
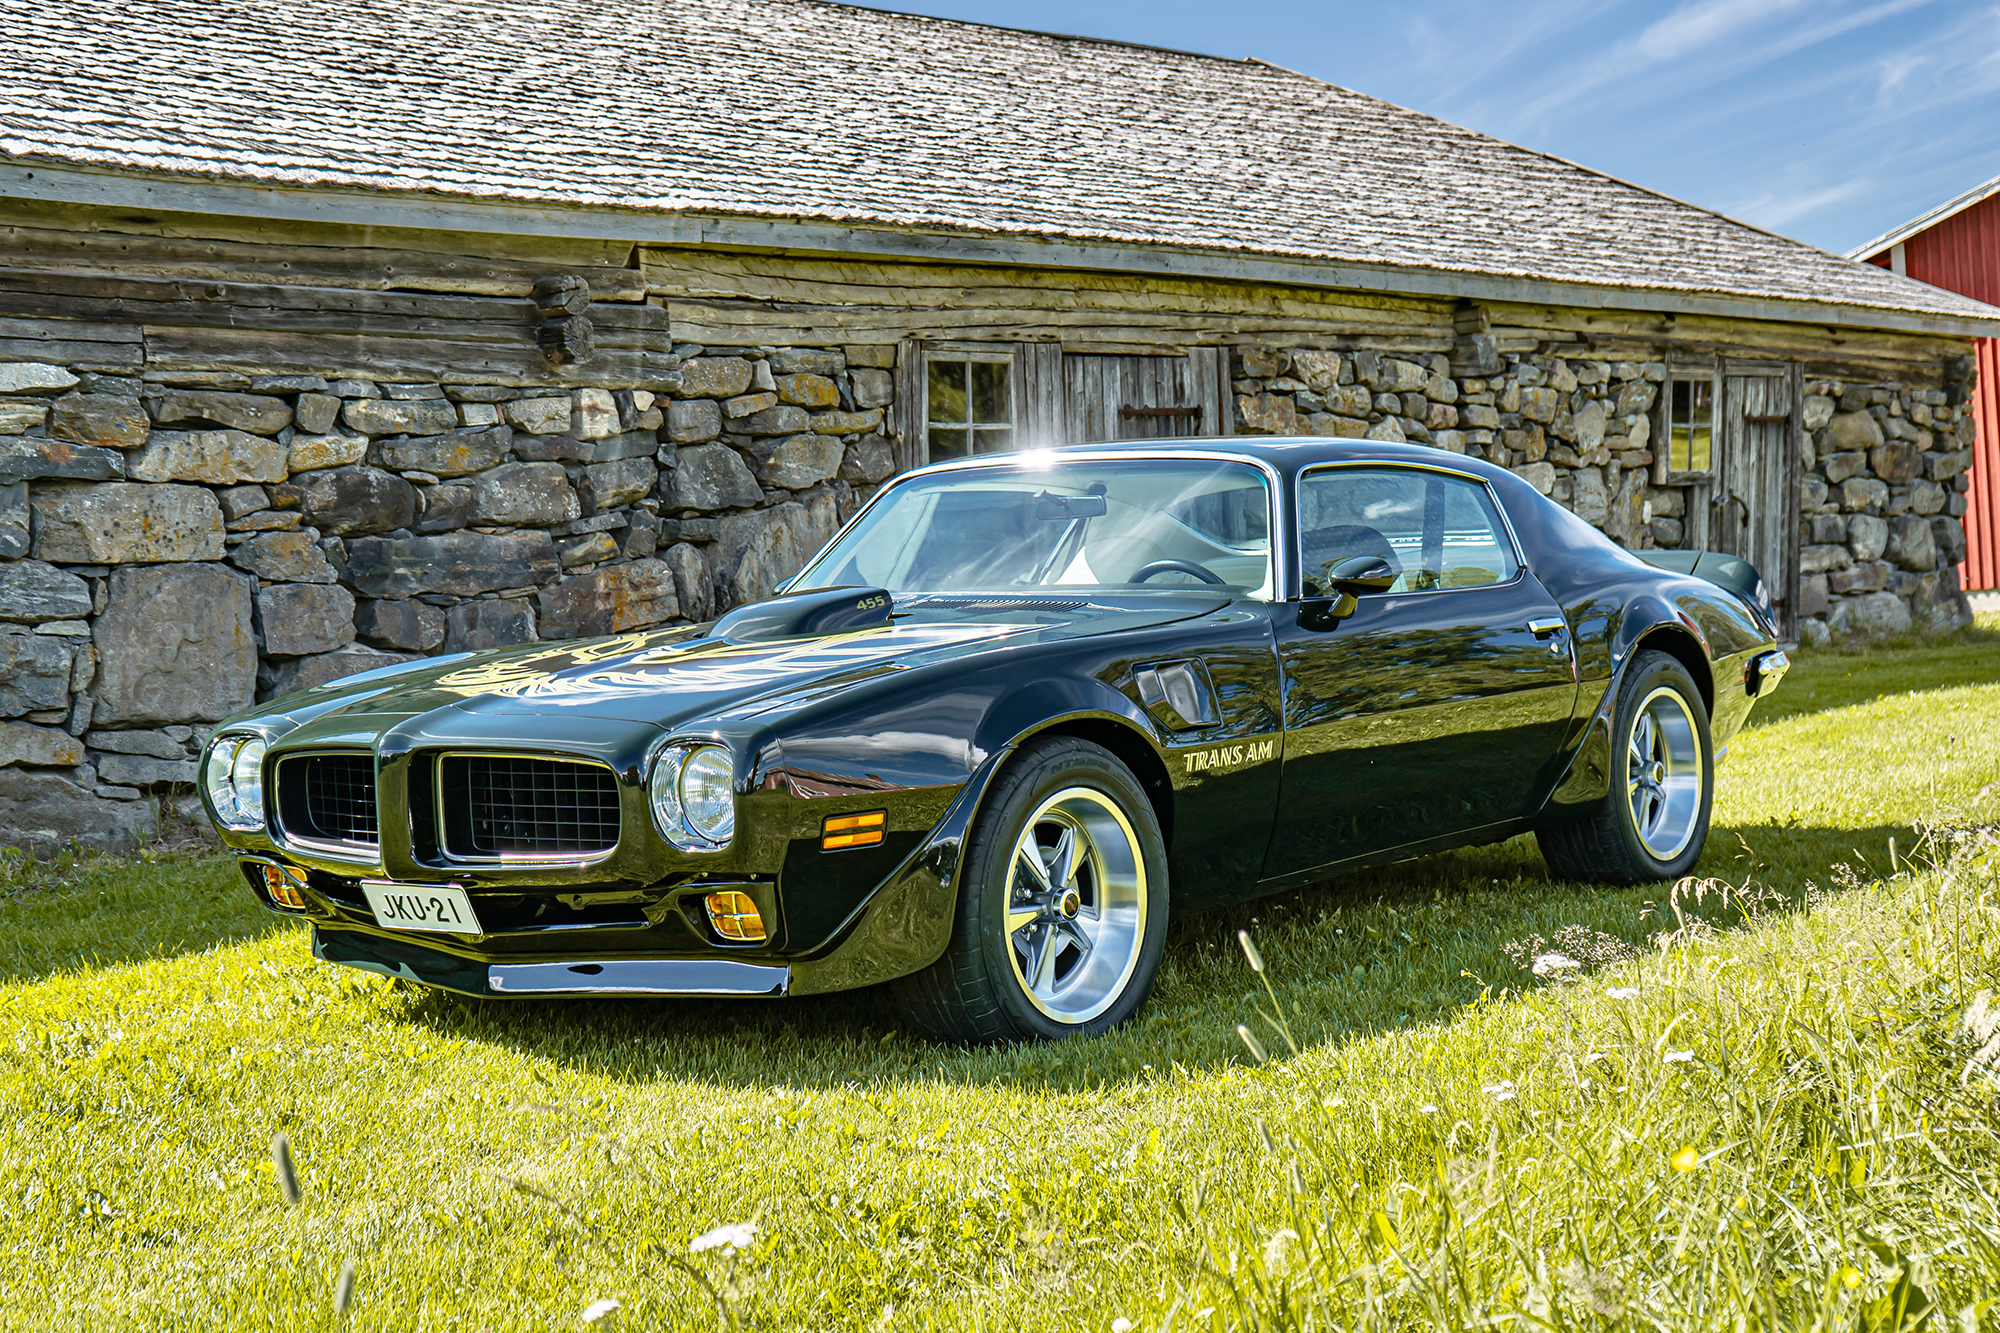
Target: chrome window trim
[
  {"x": 516, "y": 862},
  {"x": 1521, "y": 570},
  {"x": 346, "y": 853},
  {"x": 1273, "y": 480}
]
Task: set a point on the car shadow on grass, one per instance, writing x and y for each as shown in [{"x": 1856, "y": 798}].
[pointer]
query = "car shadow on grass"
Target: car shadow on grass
[{"x": 1395, "y": 948}]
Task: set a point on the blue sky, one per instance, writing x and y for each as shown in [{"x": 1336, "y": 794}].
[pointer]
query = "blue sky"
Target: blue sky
[{"x": 1828, "y": 120}]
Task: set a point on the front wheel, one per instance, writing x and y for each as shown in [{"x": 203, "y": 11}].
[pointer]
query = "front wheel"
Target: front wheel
[
  {"x": 1653, "y": 823},
  {"x": 1062, "y": 906}
]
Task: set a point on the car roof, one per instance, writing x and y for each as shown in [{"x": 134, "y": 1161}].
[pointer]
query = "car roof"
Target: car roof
[{"x": 1288, "y": 454}]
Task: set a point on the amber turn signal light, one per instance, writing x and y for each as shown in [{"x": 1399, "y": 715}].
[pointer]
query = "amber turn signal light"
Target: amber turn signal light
[
  {"x": 844, "y": 831},
  {"x": 284, "y": 887},
  {"x": 735, "y": 916}
]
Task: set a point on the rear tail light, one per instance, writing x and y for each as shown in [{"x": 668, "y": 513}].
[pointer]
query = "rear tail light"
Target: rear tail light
[
  {"x": 844, "y": 831},
  {"x": 286, "y": 886},
  {"x": 735, "y": 917}
]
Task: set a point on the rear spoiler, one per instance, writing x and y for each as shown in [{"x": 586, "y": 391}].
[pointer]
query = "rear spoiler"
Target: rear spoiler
[{"x": 1724, "y": 571}]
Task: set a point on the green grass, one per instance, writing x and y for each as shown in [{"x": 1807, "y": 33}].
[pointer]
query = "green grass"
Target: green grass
[{"x": 491, "y": 1166}]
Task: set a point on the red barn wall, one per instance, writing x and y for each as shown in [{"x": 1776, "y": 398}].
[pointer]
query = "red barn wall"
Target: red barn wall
[{"x": 1962, "y": 254}]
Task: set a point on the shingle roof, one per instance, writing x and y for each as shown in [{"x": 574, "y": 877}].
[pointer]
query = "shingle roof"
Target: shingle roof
[{"x": 802, "y": 109}]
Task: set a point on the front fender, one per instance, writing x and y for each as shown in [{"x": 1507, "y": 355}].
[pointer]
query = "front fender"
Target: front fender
[{"x": 905, "y": 924}]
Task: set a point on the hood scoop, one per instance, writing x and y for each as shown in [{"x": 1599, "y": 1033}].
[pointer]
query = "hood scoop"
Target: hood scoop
[{"x": 806, "y": 615}]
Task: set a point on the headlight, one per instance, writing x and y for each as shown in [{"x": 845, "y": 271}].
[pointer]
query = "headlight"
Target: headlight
[
  {"x": 693, "y": 792},
  {"x": 233, "y": 775}
]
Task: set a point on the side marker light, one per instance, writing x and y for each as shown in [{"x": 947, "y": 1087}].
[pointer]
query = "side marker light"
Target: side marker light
[
  {"x": 840, "y": 832},
  {"x": 735, "y": 916},
  {"x": 285, "y": 887}
]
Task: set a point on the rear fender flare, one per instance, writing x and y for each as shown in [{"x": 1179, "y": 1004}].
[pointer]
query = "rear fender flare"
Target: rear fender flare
[{"x": 1649, "y": 618}]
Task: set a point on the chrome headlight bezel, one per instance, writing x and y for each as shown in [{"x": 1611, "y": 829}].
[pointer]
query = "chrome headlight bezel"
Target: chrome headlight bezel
[
  {"x": 667, "y": 796},
  {"x": 232, "y": 780}
]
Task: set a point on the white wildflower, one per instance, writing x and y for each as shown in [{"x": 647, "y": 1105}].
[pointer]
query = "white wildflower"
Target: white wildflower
[
  {"x": 1622, "y": 992},
  {"x": 1503, "y": 1091},
  {"x": 596, "y": 1310},
  {"x": 1278, "y": 1251},
  {"x": 1554, "y": 964},
  {"x": 1982, "y": 1024},
  {"x": 1121, "y": 1325},
  {"x": 1677, "y": 1057},
  {"x": 1428, "y": 1108},
  {"x": 734, "y": 1236}
]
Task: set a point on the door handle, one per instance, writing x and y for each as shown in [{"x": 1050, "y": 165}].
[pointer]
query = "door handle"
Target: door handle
[{"x": 1553, "y": 629}]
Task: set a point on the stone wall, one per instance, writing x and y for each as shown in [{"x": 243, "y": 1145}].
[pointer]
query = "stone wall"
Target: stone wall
[
  {"x": 1882, "y": 505},
  {"x": 175, "y": 548},
  {"x": 1881, "y": 496}
]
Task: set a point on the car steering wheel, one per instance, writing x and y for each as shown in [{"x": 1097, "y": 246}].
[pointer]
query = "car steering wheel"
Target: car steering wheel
[{"x": 1175, "y": 567}]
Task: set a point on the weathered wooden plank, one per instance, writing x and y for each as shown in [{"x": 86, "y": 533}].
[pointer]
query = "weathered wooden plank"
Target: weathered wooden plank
[
  {"x": 226, "y": 249},
  {"x": 333, "y": 323},
  {"x": 717, "y": 275},
  {"x": 76, "y": 355},
  {"x": 399, "y": 358},
  {"x": 67, "y": 330},
  {"x": 17, "y": 283},
  {"x": 1708, "y": 331},
  {"x": 752, "y": 324}
]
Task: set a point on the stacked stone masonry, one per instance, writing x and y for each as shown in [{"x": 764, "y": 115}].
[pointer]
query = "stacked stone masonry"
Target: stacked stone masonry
[
  {"x": 1882, "y": 490},
  {"x": 173, "y": 549}
]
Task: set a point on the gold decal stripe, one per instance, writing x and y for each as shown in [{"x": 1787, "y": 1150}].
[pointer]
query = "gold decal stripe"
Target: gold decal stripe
[{"x": 1232, "y": 756}]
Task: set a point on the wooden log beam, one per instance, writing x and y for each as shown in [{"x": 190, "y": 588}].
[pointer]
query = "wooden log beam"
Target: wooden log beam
[
  {"x": 117, "y": 243},
  {"x": 519, "y": 364}
]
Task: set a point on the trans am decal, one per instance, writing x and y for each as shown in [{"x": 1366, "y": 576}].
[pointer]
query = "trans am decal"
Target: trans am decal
[{"x": 1219, "y": 757}]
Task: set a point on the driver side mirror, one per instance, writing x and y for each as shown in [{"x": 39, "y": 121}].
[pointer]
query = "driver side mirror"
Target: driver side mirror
[{"x": 1356, "y": 576}]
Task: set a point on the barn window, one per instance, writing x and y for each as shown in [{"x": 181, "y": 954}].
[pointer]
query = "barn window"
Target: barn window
[
  {"x": 968, "y": 403},
  {"x": 1690, "y": 424}
]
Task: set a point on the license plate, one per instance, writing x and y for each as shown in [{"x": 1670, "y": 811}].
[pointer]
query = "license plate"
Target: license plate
[{"x": 441, "y": 908}]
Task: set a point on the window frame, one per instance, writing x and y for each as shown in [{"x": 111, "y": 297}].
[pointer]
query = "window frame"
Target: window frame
[
  {"x": 1664, "y": 472},
  {"x": 970, "y": 353},
  {"x": 1298, "y": 552}
]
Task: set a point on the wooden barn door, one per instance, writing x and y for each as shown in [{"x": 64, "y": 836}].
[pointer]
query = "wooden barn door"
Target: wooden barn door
[
  {"x": 1107, "y": 397},
  {"x": 1754, "y": 506}
]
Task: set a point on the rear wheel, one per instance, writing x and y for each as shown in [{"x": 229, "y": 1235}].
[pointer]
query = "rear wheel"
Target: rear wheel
[
  {"x": 1062, "y": 906},
  {"x": 1653, "y": 823}
]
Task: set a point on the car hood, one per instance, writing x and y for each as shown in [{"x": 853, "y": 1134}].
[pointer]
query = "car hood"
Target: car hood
[{"x": 669, "y": 677}]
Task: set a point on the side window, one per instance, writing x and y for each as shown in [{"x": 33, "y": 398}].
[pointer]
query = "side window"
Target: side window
[
  {"x": 968, "y": 404},
  {"x": 1690, "y": 424},
  {"x": 1436, "y": 531}
]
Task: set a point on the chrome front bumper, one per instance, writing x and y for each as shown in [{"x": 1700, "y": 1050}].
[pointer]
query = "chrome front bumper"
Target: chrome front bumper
[{"x": 690, "y": 977}]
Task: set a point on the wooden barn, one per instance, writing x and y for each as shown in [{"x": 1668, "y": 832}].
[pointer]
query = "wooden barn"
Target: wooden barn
[
  {"x": 1956, "y": 246},
  {"x": 333, "y": 333}
]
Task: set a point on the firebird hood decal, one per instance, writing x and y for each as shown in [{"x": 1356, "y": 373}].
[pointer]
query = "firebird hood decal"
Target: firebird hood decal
[
  {"x": 674, "y": 676},
  {"x": 634, "y": 667}
]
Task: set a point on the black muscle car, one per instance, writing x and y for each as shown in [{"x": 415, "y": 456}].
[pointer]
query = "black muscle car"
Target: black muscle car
[{"x": 1018, "y": 711}]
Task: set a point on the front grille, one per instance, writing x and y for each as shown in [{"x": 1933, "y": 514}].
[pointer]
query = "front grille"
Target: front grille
[
  {"x": 329, "y": 797},
  {"x": 495, "y": 806}
]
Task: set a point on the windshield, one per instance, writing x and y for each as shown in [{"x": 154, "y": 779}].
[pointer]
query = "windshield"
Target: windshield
[{"x": 1081, "y": 523}]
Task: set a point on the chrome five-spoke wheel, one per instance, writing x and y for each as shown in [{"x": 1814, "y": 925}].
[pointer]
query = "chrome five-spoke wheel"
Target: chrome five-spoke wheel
[
  {"x": 1652, "y": 821},
  {"x": 1076, "y": 906},
  {"x": 1062, "y": 909},
  {"x": 1664, "y": 777}
]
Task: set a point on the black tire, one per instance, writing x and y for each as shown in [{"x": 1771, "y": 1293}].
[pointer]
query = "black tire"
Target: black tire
[
  {"x": 1608, "y": 845},
  {"x": 978, "y": 992}
]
